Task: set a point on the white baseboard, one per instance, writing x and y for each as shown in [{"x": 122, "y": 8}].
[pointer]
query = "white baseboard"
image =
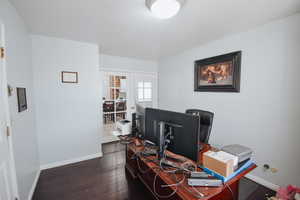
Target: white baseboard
[
  {"x": 31, "y": 192},
  {"x": 71, "y": 161},
  {"x": 263, "y": 182}
]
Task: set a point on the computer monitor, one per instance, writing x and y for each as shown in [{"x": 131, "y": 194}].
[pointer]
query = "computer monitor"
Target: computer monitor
[
  {"x": 140, "y": 120},
  {"x": 184, "y": 139}
]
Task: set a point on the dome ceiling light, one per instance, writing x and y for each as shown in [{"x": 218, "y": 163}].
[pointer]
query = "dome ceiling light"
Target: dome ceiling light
[{"x": 164, "y": 9}]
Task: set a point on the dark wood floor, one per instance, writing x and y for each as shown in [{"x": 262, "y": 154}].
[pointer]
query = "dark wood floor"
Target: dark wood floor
[{"x": 106, "y": 179}]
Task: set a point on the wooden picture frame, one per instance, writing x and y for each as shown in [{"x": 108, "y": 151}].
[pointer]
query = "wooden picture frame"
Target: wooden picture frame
[
  {"x": 218, "y": 74},
  {"x": 22, "y": 100},
  {"x": 69, "y": 77}
]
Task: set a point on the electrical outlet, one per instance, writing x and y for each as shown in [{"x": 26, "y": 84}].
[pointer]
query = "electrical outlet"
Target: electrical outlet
[
  {"x": 274, "y": 170},
  {"x": 266, "y": 167}
]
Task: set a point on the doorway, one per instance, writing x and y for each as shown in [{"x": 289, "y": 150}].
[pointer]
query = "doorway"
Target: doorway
[
  {"x": 120, "y": 93},
  {"x": 115, "y": 98}
]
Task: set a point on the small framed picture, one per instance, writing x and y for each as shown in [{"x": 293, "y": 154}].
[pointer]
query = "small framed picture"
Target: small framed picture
[
  {"x": 69, "y": 77},
  {"x": 22, "y": 101},
  {"x": 218, "y": 74}
]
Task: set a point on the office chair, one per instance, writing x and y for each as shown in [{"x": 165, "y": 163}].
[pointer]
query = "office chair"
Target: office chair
[{"x": 206, "y": 121}]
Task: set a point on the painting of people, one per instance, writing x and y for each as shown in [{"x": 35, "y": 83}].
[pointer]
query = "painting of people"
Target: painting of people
[{"x": 219, "y": 73}]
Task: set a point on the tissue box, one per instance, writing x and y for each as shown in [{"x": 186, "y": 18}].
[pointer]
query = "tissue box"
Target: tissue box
[{"x": 220, "y": 162}]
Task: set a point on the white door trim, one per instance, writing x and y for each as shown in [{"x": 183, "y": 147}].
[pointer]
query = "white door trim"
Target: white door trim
[
  {"x": 12, "y": 166},
  {"x": 104, "y": 69},
  {"x": 131, "y": 74}
]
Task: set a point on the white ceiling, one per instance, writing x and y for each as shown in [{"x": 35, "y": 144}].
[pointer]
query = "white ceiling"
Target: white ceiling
[{"x": 127, "y": 28}]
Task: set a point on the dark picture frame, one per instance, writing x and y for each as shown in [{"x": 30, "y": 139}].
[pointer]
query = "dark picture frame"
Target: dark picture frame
[
  {"x": 219, "y": 73},
  {"x": 22, "y": 100},
  {"x": 69, "y": 77}
]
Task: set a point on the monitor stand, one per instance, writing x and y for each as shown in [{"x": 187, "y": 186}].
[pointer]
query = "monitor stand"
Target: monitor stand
[{"x": 161, "y": 140}]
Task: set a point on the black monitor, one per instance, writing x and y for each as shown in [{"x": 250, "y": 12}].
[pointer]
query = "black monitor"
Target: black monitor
[
  {"x": 184, "y": 139},
  {"x": 140, "y": 120}
]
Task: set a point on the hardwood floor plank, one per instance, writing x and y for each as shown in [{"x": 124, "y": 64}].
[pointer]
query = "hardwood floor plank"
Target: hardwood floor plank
[{"x": 106, "y": 179}]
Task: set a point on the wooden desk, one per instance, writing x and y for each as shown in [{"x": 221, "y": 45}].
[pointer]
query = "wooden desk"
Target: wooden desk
[{"x": 147, "y": 171}]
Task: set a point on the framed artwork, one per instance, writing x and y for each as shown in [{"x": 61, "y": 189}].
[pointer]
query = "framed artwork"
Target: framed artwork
[
  {"x": 69, "y": 77},
  {"x": 22, "y": 101},
  {"x": 218, "y": 74}
]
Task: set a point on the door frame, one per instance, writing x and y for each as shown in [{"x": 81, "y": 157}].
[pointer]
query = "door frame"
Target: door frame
[
  {"x": 103, "y": 74},
  {"x": 12, "y": 166},
  {"x": 127, "y": 71},
  {"x": 130, "y": 74}
]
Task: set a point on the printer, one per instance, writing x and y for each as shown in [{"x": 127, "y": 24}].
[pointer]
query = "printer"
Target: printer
[
  {"x": 124, "y": 127},
  {"x": 243, "y": 153}
]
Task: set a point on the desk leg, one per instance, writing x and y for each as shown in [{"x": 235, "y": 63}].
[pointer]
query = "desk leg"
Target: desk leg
[
  {"x": 226, "y": 193},
  {"x": 237, "y": 190},
  {"x": 130, "y": 165}
]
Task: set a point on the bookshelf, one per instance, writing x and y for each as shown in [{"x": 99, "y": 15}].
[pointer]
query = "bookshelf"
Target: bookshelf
[{"x": 115, "y": 99}]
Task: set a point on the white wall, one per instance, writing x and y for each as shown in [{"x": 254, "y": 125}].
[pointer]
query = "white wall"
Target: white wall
[
  {"x": 127, "y": 64},
  {"x": 19, "y": 71},
  {"x": 265, "y": 114},
  {"x": 68, "y": 115}
]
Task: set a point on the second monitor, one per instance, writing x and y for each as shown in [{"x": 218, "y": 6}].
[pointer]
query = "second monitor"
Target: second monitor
[{"x": 184, "y": 131}]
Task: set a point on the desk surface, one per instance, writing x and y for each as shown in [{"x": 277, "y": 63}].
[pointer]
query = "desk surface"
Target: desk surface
[{"x": 184, "y": 191}]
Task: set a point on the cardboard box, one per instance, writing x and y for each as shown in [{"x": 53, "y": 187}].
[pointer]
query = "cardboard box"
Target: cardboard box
[{"x": 220, "y": 162}]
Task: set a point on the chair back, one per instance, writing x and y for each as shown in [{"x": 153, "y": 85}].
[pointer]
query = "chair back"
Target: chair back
[{"x": 206, "y": 121}]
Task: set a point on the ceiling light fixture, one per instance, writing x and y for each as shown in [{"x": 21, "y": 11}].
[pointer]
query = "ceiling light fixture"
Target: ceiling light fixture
[{"x": 164, "y": 9}]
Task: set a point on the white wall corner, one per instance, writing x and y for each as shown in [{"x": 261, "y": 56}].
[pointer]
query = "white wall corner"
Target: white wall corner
[
  {"x": 263, "y": 182},
  {"x": 34, "y": 184},
  {"x": 71, "y": 161}
]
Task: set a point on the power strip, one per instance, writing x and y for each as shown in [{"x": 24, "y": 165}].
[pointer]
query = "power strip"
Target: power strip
[
  {"x": 205, "y": 181},
  {"x": 199, "y": 175},
  {"x": 168, "y": 163}
]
